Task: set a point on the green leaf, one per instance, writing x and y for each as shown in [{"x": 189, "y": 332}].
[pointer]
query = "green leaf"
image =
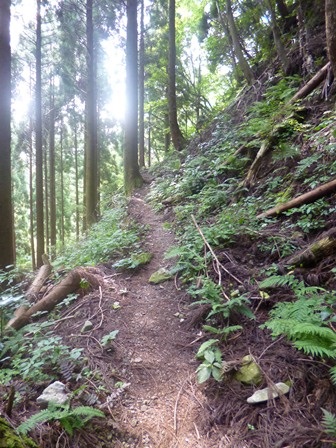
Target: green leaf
[
  {"x": 205, "y": 346},
  {"x": 203, "y": 374}
]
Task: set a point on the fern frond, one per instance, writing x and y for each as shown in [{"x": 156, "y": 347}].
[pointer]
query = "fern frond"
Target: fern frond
[
  {"x": 315, "y": 347},
  {"x": 41, "y": 417},
  {"x": 278, "y": 281},
  {"x": 87, "y": 412},
  {"x": 307, "y": 328},
  {"x": 329, "y": 422},
  {"x": 332, "y": 372}
]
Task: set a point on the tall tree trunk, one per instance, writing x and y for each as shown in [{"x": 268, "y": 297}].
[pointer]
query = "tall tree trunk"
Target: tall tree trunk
[
  {"x": 31, "y": 194},
  {"x": 132, "y": 177},
  {"x": 142, "y": 88},
  {"x": 223, "y": 21},
  {"x": 149, "y": 138},
  {"x": 330, "y": 16},
  {"x": 91, "y": 153},
  {"x": 280, "y": 48},
  {"x": 178, "y": 139},
  {"x": 62, "y": 186},
  {"x": 77, "y": 179},
  {"x": 52, "y": 171},
  {"x": 7, "y": 250},
  {"x": 39, "y": 142},
  {"x": 243, "y": 64}
]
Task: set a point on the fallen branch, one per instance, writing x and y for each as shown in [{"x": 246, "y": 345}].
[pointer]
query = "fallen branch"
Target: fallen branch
[
  {"x": 218, "y": 263},
  {"x": 305, "y": 198},
  {"x": 70, "y": 284},
  {"x": 267, "y": 144},
  {"x": 41, "y": 277},
  {"x": 317, "y": 251},
  {"x": 312, "y": 84}
]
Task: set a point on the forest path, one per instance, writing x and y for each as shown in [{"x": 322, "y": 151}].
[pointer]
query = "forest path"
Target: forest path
[{"x": 164, "y": 406}]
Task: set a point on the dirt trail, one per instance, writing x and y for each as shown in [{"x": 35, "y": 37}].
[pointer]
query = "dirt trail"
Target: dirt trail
[{"x": 164, "y": 406}]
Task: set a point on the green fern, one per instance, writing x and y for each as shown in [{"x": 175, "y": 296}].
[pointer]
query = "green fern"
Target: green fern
[
  {"x": 332, "y": 372},
  {"x": 329, "y": 422},
  {"x": 70, "y": 419}
]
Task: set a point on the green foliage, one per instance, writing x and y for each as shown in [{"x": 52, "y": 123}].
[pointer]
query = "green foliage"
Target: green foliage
[
  {"x": 106, "y": 240},
  {"x": 211, "y": 293},
  {"x": 222, "y": 332},
  {"x": 70, "y": 419},
  {"x": 311, "y": 216},
  {"x": 303, "y": 321},
  {"x": 33, "y": 354},
  {"x": 211, "y": 366},
  {"x": 329, "y": 423},
  {"x": 105, "y": 340}
]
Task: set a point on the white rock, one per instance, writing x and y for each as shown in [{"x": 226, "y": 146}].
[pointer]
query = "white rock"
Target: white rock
[
  {"x": 268, "y": 393},
  {"x": 54, "y": 393}
]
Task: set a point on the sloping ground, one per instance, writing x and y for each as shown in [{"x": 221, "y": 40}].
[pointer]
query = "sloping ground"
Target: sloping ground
[{"x": 153, "y": 354}]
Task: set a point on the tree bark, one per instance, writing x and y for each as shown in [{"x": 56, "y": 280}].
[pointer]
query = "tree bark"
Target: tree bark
[
  {"x": 330, "y": 18},
  {"x": 132, "y": 177},
  {"x": 177, "y": 137},
  {"x": 70, "y": 284},
  {"x": 320, "y": 249},
  {"x": 39, "y": 142},
  {"x": 306, "y": 198},
  {"x": 142, "y": 88},
  {"x": 91, "y": 150},
  {"x": 244, "y": 66},
  {"x": 281, "y": 51},
  {"x": 7, "y": 250},
  {"x": 52, "y": 170},
  {"x": 41, "y": 277},
  {"x": 314, "y": 82}
]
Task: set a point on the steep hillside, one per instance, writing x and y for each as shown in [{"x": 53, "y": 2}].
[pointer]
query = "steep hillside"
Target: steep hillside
[{"x": 263, "y": 285}]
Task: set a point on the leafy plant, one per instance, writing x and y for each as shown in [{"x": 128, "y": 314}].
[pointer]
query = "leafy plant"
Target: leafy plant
[
  {"x": 33, "y": 354},
  {"x": 222, "y": 332},
  {"x": 303, "y": 321},
  {"x": 70, "y": 419},
  {"x": 329, "y": 423},
  {"x": 105, "y": 340},
  {"x": 211, "y": 293},
  {"x": 211, "y": 356}
]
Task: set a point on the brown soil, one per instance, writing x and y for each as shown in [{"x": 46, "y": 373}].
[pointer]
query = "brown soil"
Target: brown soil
[{"x": 162, "y": 406}]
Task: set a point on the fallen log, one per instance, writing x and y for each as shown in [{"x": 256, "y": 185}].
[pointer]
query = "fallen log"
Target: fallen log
[
  {"x": 317, "y": 251},
  {"x": 312, "y": 84},
  {"x": 70, "y": 284},
  {"x": 305, "y": 198},
  {"x": 41, "y": 277},
  {"x": 267, "y": 145}
]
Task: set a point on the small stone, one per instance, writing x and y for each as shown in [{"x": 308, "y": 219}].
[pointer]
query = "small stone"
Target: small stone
[
  {"x": 249, "y": 372},
  {"x": 54, "y": 393},
  {"x": 160, "y": 276},
  {"x": 137, "y": 360},
  {"x": 268, "y": 393},
  {"x": 88, "y": 325}
]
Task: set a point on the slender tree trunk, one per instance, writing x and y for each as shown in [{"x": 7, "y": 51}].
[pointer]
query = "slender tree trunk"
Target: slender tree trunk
[
  {"x": 132, "y": 177},
  {"x": 178, "y": 139},
  {"x": 330, "y": 16},
  {"x": 227, "y": 33},
  {"x": 149, "y": 138},
  {"x": 243, "y": 64},
  {"x": 38, "y": 142},
  {"x": 52, "y": 171},
  {"x": 91, "y": 156},
  {"x": 62, "y": 187},
  {"x": 76, "y": 180},
  {"x": 142, "y": 89},
  {"x": 281, "y": 51},
  {"x": 7, "y": 250},
  {"x": 31, "y": 195}
]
